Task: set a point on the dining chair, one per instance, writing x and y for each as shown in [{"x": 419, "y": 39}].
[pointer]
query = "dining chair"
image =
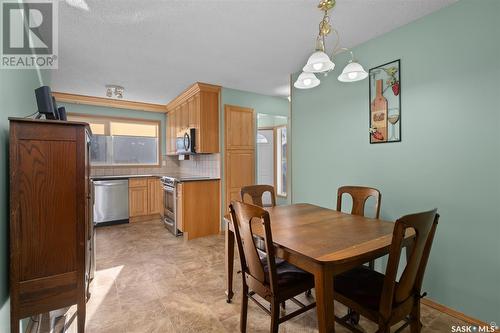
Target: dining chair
[
  {"x": 256, "y": 194},
  {"x": 379, "y": 297},
  {"x": 274, "y": 282},
  {"x": 360, "y": 195}
]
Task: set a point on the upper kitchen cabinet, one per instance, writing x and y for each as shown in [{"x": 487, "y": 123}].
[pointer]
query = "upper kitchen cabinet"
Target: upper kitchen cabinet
[{"x": 197, "y": 107}]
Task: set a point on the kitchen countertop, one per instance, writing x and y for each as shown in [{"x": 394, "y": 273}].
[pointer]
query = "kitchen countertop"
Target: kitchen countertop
[
  {"x": 122, "y": 176},
  {"x": 181, "y": 178}
]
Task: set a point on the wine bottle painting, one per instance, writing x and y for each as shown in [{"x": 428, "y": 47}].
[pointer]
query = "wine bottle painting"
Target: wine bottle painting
[{"x": 385, "y": 103}]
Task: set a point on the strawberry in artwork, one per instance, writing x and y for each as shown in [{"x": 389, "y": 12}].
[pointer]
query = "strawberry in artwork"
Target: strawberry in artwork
[
  {"x": 376, "y": 134},
  {"x": 392, "y": 82},
  {"x": 395, "y": 88}
]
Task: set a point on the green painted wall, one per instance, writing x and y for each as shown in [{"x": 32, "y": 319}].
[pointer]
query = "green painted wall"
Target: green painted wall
[
  {"x": 266, "y": 120},
  {"x": 17, "y": 99},
  {"x": 450, "y": 154},
  {"x": 115, "y": 112},
  {"x": 261, "y": 104}
]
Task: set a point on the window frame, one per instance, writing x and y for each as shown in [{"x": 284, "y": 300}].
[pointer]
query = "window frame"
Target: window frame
[{"x": 107, "y": 120}]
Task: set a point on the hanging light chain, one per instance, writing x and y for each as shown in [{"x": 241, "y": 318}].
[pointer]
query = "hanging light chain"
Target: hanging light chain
[
  {"x": 325, "y": 28},
  {"x": 326, "y": 5}
]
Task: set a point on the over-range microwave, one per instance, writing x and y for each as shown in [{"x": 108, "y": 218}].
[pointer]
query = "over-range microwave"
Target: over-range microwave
[{"x": 186, "y": 142}]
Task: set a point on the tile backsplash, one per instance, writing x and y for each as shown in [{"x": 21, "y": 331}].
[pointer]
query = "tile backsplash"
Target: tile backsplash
[{"x": 198, "y": 165}]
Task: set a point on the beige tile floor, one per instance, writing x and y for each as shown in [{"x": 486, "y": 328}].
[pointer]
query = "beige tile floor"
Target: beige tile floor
[{"x": 149, "y": 281}]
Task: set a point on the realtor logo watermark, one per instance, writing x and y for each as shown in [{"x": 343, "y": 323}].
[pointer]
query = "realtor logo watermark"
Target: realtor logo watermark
[{"x": 29, "y": 36}]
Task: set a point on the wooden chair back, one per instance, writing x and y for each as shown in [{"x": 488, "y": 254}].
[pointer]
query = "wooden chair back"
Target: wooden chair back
[
  {"x": 410, "y": 284},
  {"x": 256, "y": 193},
  {"x": 246, "y": 219},
  {"x": 359, "y": 195}
]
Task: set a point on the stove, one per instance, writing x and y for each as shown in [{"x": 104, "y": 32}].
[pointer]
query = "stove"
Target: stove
[
  {"x": 168, "y": 181},
  {"x": 170, "y": 204}
]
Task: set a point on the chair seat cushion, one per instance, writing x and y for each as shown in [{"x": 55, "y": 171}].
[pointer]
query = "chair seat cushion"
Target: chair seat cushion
[
  {"x": 361, "y": 285},
  {"x": 288, "y": 275}
]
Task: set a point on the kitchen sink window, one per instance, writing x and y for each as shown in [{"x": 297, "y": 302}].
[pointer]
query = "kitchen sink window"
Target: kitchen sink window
[{"x": 122, "y": 142}]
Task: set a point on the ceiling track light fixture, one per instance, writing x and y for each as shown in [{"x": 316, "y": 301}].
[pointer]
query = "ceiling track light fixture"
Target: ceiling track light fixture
[
  {"x": 112, "y": 89},
  {"x": 319, "y": 61}
]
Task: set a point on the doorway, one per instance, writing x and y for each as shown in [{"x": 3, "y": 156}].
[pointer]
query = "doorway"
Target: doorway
[
  {"x": 272, "y": 155},
  {"x": 266, "y": 163}
]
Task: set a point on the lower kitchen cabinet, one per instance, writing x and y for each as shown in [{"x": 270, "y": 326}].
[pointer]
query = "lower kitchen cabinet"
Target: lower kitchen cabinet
[
  {"x": 138, "y": 201},
  {"x": 155, "y": 196},
  {"x": 198, "y": 208},
  {"x": 145, "y": 198}
]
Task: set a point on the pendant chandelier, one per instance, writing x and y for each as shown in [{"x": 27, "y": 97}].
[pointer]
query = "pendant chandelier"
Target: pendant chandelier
[{"x": 319, "y": 61}]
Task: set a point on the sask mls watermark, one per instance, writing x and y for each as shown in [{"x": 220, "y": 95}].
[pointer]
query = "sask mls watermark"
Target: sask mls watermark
[
  {"x": 29, "y": 36},
  {"x": 475, "y": 329}
]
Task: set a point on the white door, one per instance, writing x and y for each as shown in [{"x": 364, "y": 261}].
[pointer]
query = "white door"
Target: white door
[{"x": 265, "y": 160}]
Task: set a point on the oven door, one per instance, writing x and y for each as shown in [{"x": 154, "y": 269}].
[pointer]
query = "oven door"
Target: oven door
[{"x": 169, "y": 204}]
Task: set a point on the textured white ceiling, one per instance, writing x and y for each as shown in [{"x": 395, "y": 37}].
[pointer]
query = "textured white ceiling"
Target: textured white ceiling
[{"x": 155, "y": 49}]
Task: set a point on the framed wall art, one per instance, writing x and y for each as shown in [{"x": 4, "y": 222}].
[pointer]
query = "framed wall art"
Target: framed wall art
[{"x": 385, "y": 103}]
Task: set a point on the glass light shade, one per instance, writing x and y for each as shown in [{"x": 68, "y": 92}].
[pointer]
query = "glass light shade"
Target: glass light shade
[
  {"x": 353, "y": 72},
  {"x": 306, "y": 81},
  {"x": 318, "y": 62}
]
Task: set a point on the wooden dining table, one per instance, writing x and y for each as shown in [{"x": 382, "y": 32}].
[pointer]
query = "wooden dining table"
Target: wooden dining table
[{"x": 323, "y": 242}]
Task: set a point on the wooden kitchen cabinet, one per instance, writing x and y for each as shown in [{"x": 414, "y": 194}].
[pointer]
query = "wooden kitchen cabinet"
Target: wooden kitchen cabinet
[
  {"x": 173, "y": 126},
  {"x": 168, "y": 143},
  {"x": 197, "y": 107},
  {"x": 184, "y": 122},
  {"x": 138, "y": 201},
  {"x": 239, "y": 153},
  {"x": 194, "y": 111},
  {"x": 170, "y": 135},
  {"x": 198, "y": 208},
  {"x": 145, "y": 197},
  {"x": 138, "y": 182},
  {"x": 178, "y": 121},
  {"x": 155, "y": 196}
]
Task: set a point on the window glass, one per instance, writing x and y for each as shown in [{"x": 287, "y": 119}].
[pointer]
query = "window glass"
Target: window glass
[
  {"x": 281, "y": 158},
  {"x": 135, "y": 150},
  {"x": 122, "y": 142},
  {"x": 98, "y": 149},
  {"x": 97, "y": 129},
  {"x": 133, "y": 129}
]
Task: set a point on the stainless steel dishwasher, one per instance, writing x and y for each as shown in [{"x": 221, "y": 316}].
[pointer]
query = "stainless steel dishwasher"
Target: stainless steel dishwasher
[{"x": 111, "y": 201}]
